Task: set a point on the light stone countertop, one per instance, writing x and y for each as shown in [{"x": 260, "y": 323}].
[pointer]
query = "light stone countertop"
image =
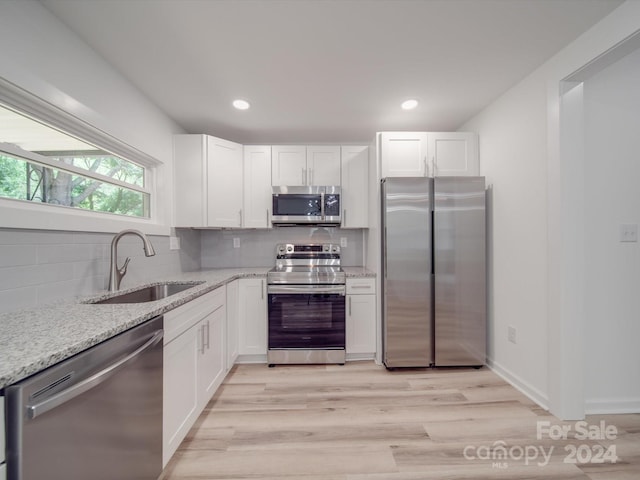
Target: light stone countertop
[{"x": 36, "y": 338}]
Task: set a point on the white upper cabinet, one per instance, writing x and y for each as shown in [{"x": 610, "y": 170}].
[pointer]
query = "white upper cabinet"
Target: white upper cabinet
[
  {"x": 453, "y": 153},
  {"x": 355, "y": 186},
  {"x": 296, "y": 165},
  {"x": 224, "y": 175},
  {"x": 404, "y": 154},
  {"x": 323, "y": 165},
  {"x": 428, "y": 154},
  {"x": 288, "y": 165},
  {"x": 190, "y": 180},
  {"x": 208, "y": 176},
  {"x": 257, "y": 186}
]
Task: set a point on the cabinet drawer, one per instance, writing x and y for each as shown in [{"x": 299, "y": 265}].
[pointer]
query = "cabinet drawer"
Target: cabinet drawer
[
  {"x": 361, "y": 286},
  {"x": 182, "y": 318}
]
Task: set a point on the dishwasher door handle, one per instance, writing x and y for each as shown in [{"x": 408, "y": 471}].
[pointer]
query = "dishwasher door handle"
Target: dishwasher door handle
[{"x": 94, "y": 380}]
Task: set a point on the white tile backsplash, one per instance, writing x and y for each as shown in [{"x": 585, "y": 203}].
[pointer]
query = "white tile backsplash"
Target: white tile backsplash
[
  {"x": 258, "y": 247},
  {"x": 38, "y": 267}
]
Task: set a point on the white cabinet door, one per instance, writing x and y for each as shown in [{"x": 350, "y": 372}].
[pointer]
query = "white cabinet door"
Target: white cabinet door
[
  {"x": 194, "y": 359},
  {"x": 224, "y": 183},
  {"x": 212, "y": 361},
  {"x": 323, "y": 165},
  {"x": 208, "y": 181},
  {"x": 232, "y": 323},
  {"x": 190, "y": 180},
  {"x": 454, "y": 153},
  {"x": 361, "y": 324},
  {"x": 404, "y": 154},
  {"x": 253, "y": 316},
  {"x": 355, "y": 187},
  {"x": 180, "y": 408},
  {"x": 361, "y": 335},
  {"x": 288, "y": 165},
  {"x": 257, "y": 186}
]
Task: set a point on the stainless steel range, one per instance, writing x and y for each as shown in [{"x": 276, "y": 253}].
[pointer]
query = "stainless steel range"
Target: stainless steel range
[{"x": 306, "y": 292}]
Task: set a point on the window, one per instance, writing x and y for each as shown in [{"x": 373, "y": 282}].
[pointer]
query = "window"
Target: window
[{"x": 39, "y": 163}]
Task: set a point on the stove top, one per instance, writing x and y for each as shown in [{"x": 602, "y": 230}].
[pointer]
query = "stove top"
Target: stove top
[{"x": 307, "y": 264}]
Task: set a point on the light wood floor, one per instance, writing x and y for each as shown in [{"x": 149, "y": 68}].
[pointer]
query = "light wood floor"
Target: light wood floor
[{"x": 362, "y": 422}]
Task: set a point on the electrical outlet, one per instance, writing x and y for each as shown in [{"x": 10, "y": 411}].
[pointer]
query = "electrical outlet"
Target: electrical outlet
[
  {"x": 629, "y": 232},
  {"x": 236, "y": 242},
  {"x": 511, "y": 333},
  {"x": 343, "y": 242}
]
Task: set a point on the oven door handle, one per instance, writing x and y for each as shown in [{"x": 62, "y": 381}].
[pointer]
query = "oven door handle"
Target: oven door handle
[{"x": 307, "y": 289}]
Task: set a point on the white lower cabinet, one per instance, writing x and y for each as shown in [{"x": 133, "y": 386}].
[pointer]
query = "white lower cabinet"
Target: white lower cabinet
[
  {"x": 252, "y": 319},
  {"x": 361, "y": 323},
  {"x": 233, "y": 304},
  {"x": 194, "y": 364}
]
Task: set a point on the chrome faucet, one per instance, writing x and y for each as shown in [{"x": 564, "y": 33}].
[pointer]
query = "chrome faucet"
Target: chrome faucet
[{"x": 115, "y": 273}]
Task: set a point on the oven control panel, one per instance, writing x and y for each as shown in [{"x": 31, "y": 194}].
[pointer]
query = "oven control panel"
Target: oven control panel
[{"x": 284, "y": 249}]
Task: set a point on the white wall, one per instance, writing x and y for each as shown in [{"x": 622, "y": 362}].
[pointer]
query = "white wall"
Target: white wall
[
  {"x": 41, "y": 55},
  {"x": 612, "y": 198},
  {"x": 513, "y": 160},
  {"x": 535, "y": 225}
]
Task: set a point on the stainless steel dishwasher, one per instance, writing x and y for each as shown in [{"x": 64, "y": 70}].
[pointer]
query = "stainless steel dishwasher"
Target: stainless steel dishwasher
[{"x": 97, "y": 415}]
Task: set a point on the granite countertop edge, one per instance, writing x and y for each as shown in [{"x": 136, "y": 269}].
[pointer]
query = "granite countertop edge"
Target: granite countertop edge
[{"x": 27, "y": 345}]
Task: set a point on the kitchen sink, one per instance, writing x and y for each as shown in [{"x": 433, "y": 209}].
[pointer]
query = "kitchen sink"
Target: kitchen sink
[{"x": 150, "y": 294}]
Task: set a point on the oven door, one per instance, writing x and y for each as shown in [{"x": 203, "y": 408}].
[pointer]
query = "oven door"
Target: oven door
[{"x": 306, "y": 316}]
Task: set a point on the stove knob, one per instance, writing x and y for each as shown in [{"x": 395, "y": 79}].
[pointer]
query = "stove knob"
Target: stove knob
[
  {"x": 336, "y": 249},
  {"x": 325, "y": 248},
  {"x": 289, "y": 248}
]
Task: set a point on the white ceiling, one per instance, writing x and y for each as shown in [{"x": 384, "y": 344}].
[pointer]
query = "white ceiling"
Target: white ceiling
[{"x": 325, "y": 70}]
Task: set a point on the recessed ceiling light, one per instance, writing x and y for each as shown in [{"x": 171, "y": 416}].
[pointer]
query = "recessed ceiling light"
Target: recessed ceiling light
[
  {"x": 409, "y": 104},
  {"x": 241, "y": 104}
]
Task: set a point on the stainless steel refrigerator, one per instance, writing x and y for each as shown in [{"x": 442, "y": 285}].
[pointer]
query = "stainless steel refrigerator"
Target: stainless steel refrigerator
[{"x": 433, "y": 271}]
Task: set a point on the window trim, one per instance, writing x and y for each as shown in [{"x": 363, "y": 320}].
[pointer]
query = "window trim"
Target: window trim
[
  {"x": 30, "y": 215},
  {"x": 44, "y": 161}
]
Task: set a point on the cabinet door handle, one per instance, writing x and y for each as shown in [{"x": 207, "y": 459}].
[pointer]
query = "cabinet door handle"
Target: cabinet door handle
[
  {"x": 350, "y": 306},
  {"x": 304, "y": 174},
  {"x": 201, "y": 332},
  {"x": 344, "y": 217},
  {"x": 208, "y": 336},
  {"x": 262, "y": 289},
  {"x": 426, "y": 167},
  {"x": 240, "y": 215},
  {"x": 311, "y": 176},
  {"x": 267, "y": 217}
]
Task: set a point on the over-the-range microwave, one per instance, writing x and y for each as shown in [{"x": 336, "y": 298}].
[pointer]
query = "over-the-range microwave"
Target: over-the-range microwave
[{"x": 311, "y": 205}]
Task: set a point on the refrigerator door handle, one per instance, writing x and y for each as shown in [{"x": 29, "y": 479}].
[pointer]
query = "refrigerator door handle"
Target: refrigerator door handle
[{"x": 384, "y": 260}]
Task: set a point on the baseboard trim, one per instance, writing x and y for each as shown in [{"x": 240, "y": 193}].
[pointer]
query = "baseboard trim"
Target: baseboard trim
[
  {"x": 605, "y": 406},
  {"x": 354, "y": 357},
  {"x": 258, "y": 358},
  {"x": 523, "y": 387}
]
